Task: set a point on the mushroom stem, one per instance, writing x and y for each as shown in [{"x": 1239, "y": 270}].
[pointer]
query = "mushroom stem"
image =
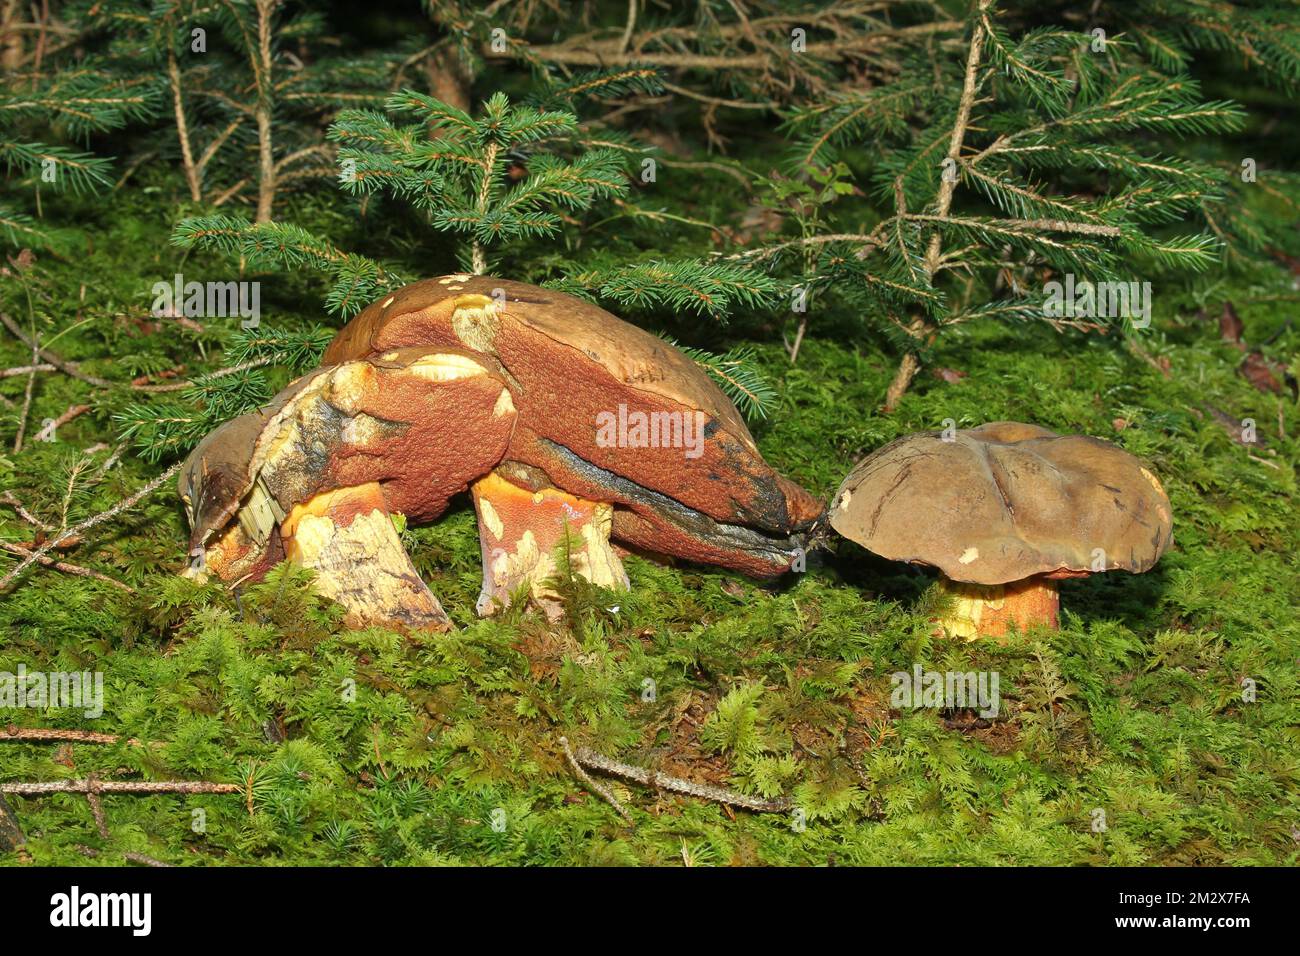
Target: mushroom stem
[
  {"x": 348, "y": 538},
  {"x": 519, "y": 533},
  {"x": 990, "y": 610}
]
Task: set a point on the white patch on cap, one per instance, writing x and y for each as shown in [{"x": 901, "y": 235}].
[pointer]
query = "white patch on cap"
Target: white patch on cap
[
  {"x": 969, "y": 555},
  {"x": 445, "y": 367}
]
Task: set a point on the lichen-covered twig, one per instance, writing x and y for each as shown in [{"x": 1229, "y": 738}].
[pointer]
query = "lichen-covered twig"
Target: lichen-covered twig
[
  {"x": 118, "y": 786},
  {"x": 588, "y": 758},
  {"x": 9, "y": 499},
  {"x": 39, "y": 735},
  {"x": 592, "y": 785},
  {"x": 65, "y": 567}
]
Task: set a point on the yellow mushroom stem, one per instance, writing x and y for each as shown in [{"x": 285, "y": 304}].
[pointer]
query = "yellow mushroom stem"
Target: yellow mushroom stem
[
  {"x": 348, "y": 538},
  {"x": 990, "y": 610},
  {"x": 519, "y": 533}
]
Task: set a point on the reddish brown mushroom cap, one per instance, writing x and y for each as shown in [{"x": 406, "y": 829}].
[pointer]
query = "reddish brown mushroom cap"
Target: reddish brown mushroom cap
[
  {"x": 1005, "y": 502},
  {"x": 578, "y": 375}
]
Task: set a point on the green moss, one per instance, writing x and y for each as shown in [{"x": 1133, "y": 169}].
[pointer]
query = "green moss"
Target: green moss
[{"x": 370, "y": 748}]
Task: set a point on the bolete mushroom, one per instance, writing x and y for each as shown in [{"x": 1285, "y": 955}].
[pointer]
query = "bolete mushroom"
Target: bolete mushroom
[
  {"x": 570, "y": 427},
  {"x": 1004, "y": 511}
]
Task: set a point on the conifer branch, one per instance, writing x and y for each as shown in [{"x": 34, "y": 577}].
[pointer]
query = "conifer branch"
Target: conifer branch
[{"x": 79, "y": 530}]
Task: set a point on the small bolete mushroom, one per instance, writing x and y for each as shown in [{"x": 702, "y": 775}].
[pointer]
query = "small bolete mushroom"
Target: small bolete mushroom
[
  {"x": 570, "y": 427},
  {"x": 1003, "y": 511}
]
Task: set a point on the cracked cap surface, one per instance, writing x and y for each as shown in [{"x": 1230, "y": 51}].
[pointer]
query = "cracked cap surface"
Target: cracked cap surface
[{"x": 1006, "y": 501}]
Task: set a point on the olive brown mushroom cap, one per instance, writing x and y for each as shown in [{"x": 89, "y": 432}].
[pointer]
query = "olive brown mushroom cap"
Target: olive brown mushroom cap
[
  {"x": 219, "y": 471},
  {"x": 1004, "y": 502}
]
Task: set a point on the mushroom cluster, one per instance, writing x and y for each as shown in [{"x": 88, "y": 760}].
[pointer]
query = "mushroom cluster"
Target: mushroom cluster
[
  {"x": 1004, "y": 511},
  {"x": 522, "y": 395}
]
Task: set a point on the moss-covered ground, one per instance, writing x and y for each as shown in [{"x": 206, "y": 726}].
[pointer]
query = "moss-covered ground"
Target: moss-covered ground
[{"x": 1139, "y": 707}]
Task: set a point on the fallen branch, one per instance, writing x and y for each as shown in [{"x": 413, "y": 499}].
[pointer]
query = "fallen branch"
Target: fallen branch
[
  {"x": 47, "y": 432},
  {"x": 118, "y": 786},
  {"x": 26, "y": 369},
  {"x": 65, "y": 567},
  {"x": 592, "y": 785},
  {"x": 38, "y": 735},
  {"x": 586, "y": 757}
]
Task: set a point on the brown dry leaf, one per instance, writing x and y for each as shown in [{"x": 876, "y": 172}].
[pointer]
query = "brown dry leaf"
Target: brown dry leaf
[
  {"x": 949, "y": 375},
  {"x": 1259, "y": 372},
  {"x": 1230, "y": 325}
]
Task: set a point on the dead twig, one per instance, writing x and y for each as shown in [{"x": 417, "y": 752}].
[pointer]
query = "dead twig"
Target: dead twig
[
  {"x": 97, "y": 811},
  {"x": 586, "y": 757},
  {"x": 592, "y": 785},
  {"x": 26, "y": 369},
  {"x": 72, "y": 369},
  {"x": 45, "y": 735},
  {"x": 133, "y": 857},
  {"x": 47, "y": 431},
  {"x": 118, "y": 786},
  {"x": 65, "y": 567},
  {"x": 8, "y": 498},
  {"x": 28, "y": 392}
]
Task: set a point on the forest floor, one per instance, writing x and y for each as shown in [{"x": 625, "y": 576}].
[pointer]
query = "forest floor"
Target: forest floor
[{"x": 1159, "y": 725}]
